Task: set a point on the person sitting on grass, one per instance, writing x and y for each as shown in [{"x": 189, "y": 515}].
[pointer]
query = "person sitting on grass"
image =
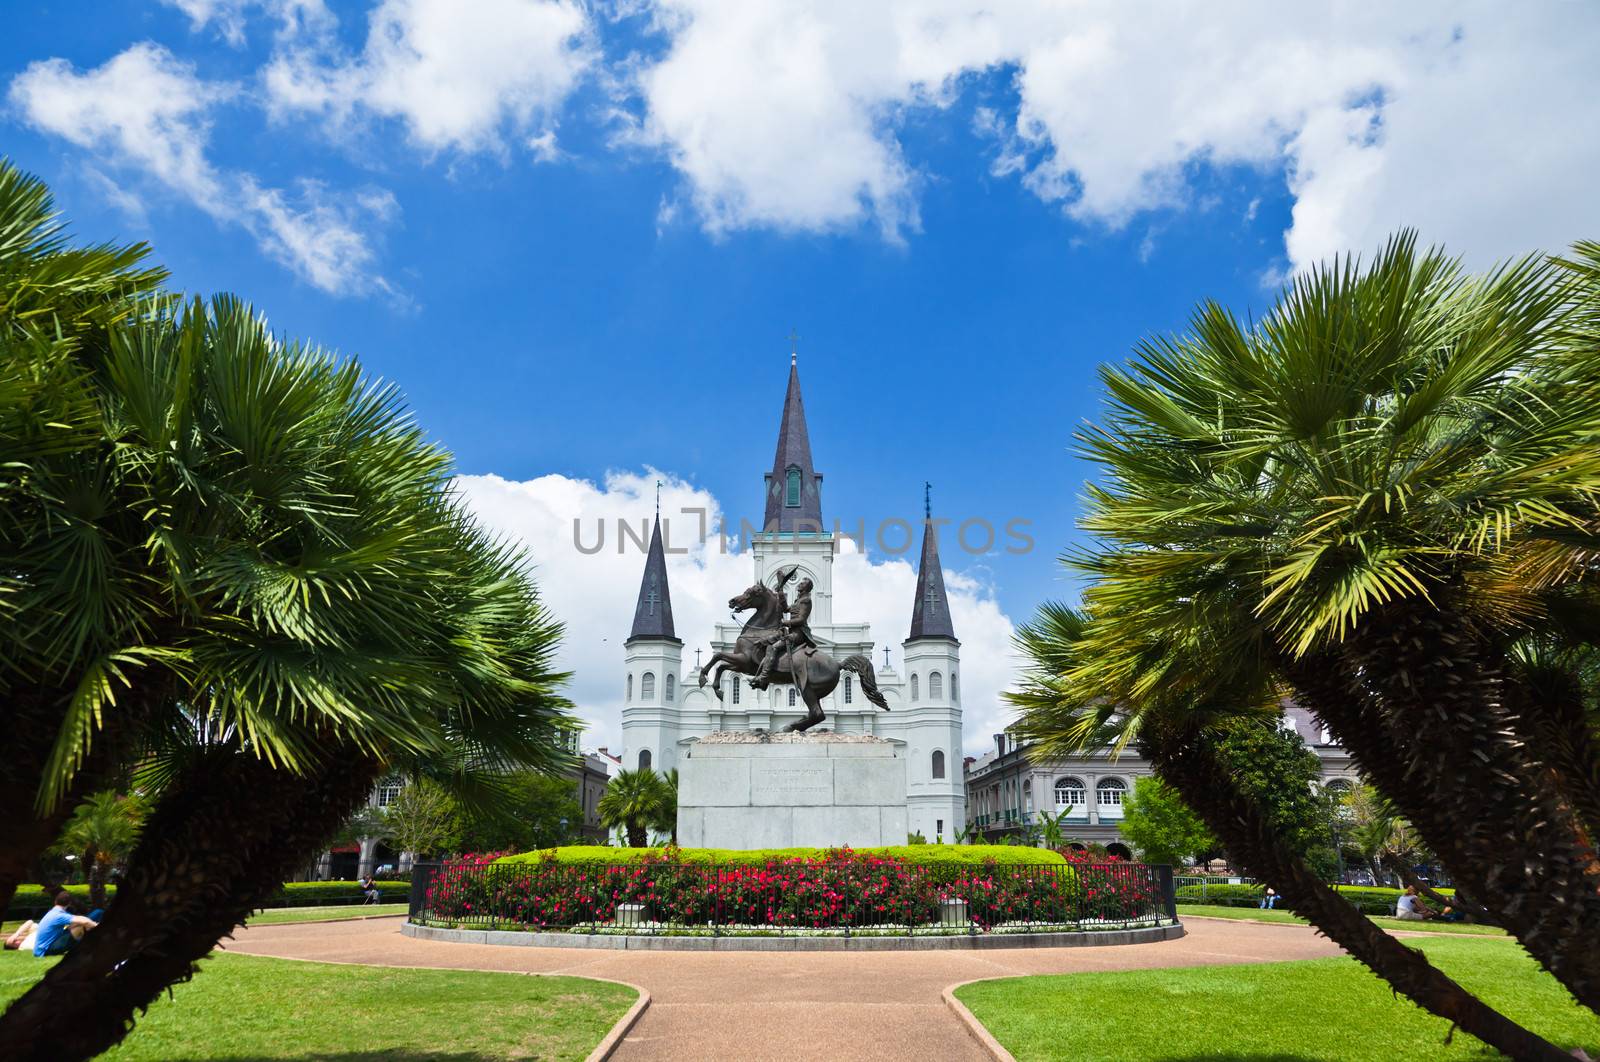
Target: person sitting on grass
[
  {"x": 60, "y": 929},
  {"x": 1410, "y": 908},
  {"x": 22, "y": 939}
]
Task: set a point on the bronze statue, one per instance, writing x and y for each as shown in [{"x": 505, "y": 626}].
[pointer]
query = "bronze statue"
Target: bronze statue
[{"x": 779, "y": 650}]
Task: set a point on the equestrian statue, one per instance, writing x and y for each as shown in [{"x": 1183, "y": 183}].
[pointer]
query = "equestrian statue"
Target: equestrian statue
[{"x": 776, "y": 646}]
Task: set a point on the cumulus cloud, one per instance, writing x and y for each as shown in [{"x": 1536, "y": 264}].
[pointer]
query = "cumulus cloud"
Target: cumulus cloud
[
  {"x": 1462, "y": 119},
  {"x": 594, "y": 594},
  {"x": 229, "y": 17},
  {"x": 458, "y": 76},
  {"x": 146, "y": 111}
]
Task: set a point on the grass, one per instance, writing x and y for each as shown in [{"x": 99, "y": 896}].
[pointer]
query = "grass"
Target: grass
[
  {"x": 245, "y": 1007},
  {"x": 1321, "y": 1009},
  {"x": 325, "y": 914},
  {"x": 1255, "y": 914}
]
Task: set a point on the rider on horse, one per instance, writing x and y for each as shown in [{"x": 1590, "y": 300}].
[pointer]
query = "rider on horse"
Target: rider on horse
[{"x": 795, "y": 633}]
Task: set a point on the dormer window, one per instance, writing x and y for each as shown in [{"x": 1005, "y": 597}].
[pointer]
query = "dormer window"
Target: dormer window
[{"x": 791, "y": 489}]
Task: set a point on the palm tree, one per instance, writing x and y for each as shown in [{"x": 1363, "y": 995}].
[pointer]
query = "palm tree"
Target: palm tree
[
  {"x": 636, "y": 802},
  {"x": 239, "y": 562},
  {"x": 102, "y": 832},
  {"x": 1050, "y": 829},
  {"x": 1373, "y": 496}
]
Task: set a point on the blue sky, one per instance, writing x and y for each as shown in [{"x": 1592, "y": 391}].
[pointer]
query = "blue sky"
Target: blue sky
[{"x": 578, "y": 235}]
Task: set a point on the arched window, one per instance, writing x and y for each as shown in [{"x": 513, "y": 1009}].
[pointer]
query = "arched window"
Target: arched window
[
  {"x": 791, "y": 490},
  {"x": 736, "y": 685},
  {"x": 1069, "y": 792},
  {"x": 1109, "y": 793},
  {"x": 644, "y": 759},
  {"x": 672, "y": 685},
  {"x": 955, "y": 687},
  {"x": 630, "y": 689},
  {"x": 791, "y": 696},
  {"x": 914, "y": 695},
  {"x": 938, "y": 763},
  {"x": 1340, "y": 786},
  {"x": 1027, "y": 797},
  {"x": 935, "y": 685},
  {"x": 647, "y": 685},
  {"x": 849, "y": 683}
]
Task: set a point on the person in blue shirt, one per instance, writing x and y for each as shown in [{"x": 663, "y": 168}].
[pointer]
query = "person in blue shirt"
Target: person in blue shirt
[{"x": 60, "y": 929}]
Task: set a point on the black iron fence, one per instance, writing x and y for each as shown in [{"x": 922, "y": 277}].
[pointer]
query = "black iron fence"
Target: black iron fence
[{"x": 845, "y": 896}]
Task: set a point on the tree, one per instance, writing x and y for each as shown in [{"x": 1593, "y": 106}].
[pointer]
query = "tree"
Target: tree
[
  {"x": 423, "y": 819},
  {"x": 102, "y": 832},
  {"x": 1161, "y": 826},
  {"x": 636, "y": 802},
  {"x": 238, "y": 562},
  {"x": 541, "y": 812}
]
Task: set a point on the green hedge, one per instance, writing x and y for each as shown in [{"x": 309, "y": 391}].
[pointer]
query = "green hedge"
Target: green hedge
[
  {"x": 1369, "y": 899},
  {"x": 31, "y": 900},
  {"x": 915, "y": 854}
]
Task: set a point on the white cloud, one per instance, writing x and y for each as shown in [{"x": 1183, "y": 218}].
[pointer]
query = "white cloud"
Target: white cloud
[
  {"x": 230, "y": 16},
  {"x": 595, "y": 594},
  {"x": 1470, "y": 121},
  {"x": 457, "y": 75},
  {"x": 146, "y": 111}
]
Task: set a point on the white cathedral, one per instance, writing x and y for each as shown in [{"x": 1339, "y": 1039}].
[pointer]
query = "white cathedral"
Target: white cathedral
[{"x": 665, "y": 709}]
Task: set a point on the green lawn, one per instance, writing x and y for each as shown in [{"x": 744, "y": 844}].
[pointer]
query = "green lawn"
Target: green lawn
[
  {"x": 1255, "y": 914},
  {"x": 245, "y": 1007},
  {"x": 1321, "y": 1009},
  {"x": 325, "y": 914}
]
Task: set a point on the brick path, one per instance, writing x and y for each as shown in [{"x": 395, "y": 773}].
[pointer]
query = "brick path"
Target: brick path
[{"x": 789, "y": 1006}]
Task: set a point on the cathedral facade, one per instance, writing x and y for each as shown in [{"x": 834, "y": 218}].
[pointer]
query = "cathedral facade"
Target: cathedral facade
[{"x": 665, "y": 709}]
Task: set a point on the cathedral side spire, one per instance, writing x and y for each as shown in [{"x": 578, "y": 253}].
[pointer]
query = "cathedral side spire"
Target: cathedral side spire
[
  {"x": 652, "y": 616},
  {"x": 794, "y": 489},
  {"x": 930, "y": 613}
]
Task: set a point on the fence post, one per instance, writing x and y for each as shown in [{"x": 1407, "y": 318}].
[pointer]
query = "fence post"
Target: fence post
[{"x": 1169, "y": 891}]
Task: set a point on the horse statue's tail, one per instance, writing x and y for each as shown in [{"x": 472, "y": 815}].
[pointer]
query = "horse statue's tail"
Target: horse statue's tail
[{"x": 862, "y": 666}]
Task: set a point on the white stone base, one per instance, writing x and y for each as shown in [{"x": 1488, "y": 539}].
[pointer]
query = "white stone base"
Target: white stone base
[{"x": 745, "y": 791}]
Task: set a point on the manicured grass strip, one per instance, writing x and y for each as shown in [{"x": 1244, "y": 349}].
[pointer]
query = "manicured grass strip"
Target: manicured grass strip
[
  {"x": 242, "y": 1006},
  {"x": 1253, "y": 914},
  {"x": 1330, "y": 1009},
  {"x": 325, "y": 914}
]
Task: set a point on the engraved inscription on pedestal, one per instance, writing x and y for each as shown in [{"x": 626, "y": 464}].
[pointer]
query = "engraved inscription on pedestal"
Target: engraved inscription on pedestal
[{"x": 792, "y": 784}]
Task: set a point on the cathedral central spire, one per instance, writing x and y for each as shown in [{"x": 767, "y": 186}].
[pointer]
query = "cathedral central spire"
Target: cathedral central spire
[
  {"x": 930, "y": 613},
  {"x": 794, "y": 487}
]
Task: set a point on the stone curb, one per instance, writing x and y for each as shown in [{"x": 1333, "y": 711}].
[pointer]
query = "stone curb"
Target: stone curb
[
  {"x": 613, "y": 1040},
  {"x": 619, "y": 942},
  {"x": 975, "y": 1027}
]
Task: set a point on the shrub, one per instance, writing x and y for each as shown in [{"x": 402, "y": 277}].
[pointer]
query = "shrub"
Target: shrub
[
  {"x": 30, "y": 900},
  {"x": 915, "y": 855},
  {"x": 1368, "y": 899},
  {"x": 814, "y": 889}
]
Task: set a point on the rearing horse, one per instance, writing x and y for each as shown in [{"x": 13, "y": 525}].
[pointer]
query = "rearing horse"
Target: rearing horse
[{"x": 818, "y": 673}]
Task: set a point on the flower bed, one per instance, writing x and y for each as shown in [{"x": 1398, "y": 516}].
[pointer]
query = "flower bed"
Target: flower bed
[{"x": 835, "y": 891}]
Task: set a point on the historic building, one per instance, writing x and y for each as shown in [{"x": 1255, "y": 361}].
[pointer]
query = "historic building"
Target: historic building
[
  {"x": 665, "y": 709},
  {"x": 1012, "y": 786}
]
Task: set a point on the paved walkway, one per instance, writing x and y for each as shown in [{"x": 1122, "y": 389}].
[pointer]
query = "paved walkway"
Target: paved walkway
[{"x": 789, "y": 1006}]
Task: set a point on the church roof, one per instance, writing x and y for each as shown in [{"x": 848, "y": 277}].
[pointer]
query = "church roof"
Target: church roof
[
  {"x": 652, "y": 616},
  {"x": 794, "y": 452},
  {"x": 930, "y": 613}
]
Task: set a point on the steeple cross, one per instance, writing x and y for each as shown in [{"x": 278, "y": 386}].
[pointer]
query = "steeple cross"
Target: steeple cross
[
  {"x": 651, "y": 597},
  {"x": 931, "y": 596},
  {"x": 927, "y": 500},
  {"x": 794, "y": 346}
]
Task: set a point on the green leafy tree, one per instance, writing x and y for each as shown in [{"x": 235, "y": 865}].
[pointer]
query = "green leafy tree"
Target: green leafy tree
[
  {"x": 239, "y": 563},
  {"x": 422, "y": 820},
  {"x": 636, "y": 802},
  {"x": 1161, "y": 826},
  {"x": 102, "y": 832},
  {"x": 541, "y": 811}
]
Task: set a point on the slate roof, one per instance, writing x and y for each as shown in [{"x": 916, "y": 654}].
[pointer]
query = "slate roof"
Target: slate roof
[
  {"x": 652, "y": 616},
  {"x": 930, "y": 613},
  {"x": 794, "y": 451}
]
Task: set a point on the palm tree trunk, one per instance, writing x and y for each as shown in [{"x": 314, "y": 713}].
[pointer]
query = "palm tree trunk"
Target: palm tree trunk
[
  {"x": 636, "y": 835},
  {"x": 1421, "y": 706},
  {"x": 1190, "y": 763},
  {"x": 97, "y": 877},
  {"x": 222, "y": 840}
]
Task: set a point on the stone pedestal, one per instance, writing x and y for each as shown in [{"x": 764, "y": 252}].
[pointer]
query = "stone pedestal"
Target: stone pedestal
[{"x": 748, "y": 790}]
